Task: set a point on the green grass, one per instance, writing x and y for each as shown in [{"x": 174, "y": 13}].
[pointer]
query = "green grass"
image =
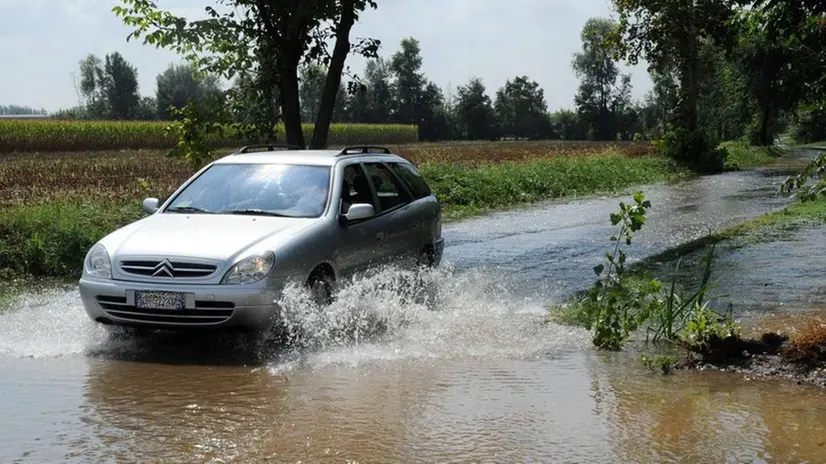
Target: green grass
[
  {"x": 741, "y": 155},
  {"x": 51, "y": 239},
  {"x": 792, "y": 217},
  {"x": 467, "y": 191}
]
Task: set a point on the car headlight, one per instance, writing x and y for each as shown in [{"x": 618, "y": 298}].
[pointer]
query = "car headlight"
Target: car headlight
[
  {"x": 98, "y": 263},
  {"x": 249, "y": 270}
]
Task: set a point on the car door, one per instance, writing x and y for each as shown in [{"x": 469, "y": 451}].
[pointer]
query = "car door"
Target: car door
[
  {"x": 397, "y": 211},
  {"x": 362, "y": 244},
  {"x": 423, "y": 214}
]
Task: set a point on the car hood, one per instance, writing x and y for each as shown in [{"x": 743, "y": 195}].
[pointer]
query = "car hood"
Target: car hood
[{"x": 206, "y": 236}]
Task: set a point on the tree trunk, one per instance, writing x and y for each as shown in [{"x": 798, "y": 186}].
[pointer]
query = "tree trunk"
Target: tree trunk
[
  {"x": 692, "y": 87},
  {"x": 290, "y": 103},
  {"x": 765, "y": 126},
  {"x": 332, "y": 84}
]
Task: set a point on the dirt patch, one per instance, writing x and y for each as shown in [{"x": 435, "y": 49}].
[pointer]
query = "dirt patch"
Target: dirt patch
[{"x": 798, "y": 354}]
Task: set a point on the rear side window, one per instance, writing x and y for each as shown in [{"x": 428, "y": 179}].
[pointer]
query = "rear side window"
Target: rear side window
[
  {"x": 390, "y": 191},
  {"x": 412, "y": 178}
]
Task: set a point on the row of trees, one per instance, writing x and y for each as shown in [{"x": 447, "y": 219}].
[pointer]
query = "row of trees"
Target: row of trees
[
  {"x": 722, "y": 69},
  {"x": 21, "y": 110},
  {"x": 393, "y": 90}
]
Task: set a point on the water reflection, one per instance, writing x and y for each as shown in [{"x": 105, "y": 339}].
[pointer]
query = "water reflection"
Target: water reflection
[{"x": 709, "y": 416}]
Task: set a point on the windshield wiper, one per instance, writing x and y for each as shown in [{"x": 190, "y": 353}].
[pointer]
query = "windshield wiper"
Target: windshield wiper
[
  {"x": 187, "y": 209},
  {"x": 255, "y": 212}
]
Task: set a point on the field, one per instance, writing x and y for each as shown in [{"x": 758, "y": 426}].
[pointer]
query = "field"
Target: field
[
  {"x": 57, "y": 136},
  {"x": 128, "y": 175}
]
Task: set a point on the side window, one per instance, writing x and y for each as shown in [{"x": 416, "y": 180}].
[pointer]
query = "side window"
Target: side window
[
  {"x": 390, "y": 191},
  {"x": 412, "y": 178},
  {"x": 355, "y": 188}
]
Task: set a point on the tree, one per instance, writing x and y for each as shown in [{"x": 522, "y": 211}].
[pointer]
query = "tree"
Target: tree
[
  {"x": 600, "y": 101},
  {"x": 567, "y": 123},
  {"x": 775, "y": 69},
  {"x": 522, "y": 110},
  {"x": 120, "y": 87},
  {"x": 109, "y": 87},
  {"x": 312, "y": 80},
  {"x": 475, "y": 113},
  {"x": 381, "y": 100},
  {"x": 179, "y": 85},
  {"x": 667, "y": 34},
  {"x": 266, "y": 40},
  {"x": 801, "y": 27},
  {"x": 91, "y": 84}
]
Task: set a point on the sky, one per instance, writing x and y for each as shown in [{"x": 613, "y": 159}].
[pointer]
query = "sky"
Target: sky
[{"x": 42, "y": 41}]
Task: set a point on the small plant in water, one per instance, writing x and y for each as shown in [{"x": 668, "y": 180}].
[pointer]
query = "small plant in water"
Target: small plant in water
[
  {"x": 619, "y": 303},
  {"x": 614, "y": 307},
  {"x": 659, "y": 362}
]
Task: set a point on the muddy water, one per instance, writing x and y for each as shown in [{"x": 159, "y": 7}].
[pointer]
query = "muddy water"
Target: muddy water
[{"x": 466, "y": 371}]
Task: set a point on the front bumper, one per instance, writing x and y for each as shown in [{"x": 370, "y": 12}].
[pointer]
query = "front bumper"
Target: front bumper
[{"x": 207, "y": 306}]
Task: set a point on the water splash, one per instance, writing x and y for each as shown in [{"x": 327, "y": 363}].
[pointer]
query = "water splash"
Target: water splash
[
  {"x": 48, "y": 323},
  {"x": 393, "y": 314},
  {"x": 388, "y": 314}
]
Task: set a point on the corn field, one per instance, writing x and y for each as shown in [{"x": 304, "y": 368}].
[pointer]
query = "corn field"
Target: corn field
[{"x": 68, "y": 136}]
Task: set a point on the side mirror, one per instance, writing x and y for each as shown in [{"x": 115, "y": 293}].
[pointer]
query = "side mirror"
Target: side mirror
[
  {"x": 150, "y": 205},
  {"x": 360, "y": 211}
]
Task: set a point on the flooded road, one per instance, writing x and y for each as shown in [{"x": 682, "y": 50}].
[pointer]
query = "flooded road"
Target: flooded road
[{"x": 473, "y": 375}]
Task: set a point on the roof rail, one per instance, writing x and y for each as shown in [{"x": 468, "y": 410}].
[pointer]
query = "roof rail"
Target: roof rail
[
  {"x": 269, "y": 147},
  {"x": 362, "y": 149}
]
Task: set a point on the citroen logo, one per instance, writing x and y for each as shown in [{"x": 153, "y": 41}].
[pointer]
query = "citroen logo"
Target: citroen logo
[{"x": 163, "y": 269}]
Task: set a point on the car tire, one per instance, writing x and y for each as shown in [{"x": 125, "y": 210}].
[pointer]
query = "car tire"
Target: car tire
[
  {"x": 426, "y": 259},
  {"x": 321, "y": 286}
]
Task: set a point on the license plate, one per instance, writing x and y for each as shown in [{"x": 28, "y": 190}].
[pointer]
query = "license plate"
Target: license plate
[{"x": 160, "y": 300}]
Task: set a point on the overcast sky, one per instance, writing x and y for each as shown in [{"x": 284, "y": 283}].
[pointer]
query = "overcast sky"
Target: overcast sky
[{"x": 41, "y": 42}]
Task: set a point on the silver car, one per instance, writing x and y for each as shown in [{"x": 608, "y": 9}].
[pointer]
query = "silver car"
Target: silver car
[{"x": 220, "y": 250}]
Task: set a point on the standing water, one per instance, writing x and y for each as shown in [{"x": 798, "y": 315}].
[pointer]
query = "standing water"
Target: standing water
[{"x": 462, "y": 368}]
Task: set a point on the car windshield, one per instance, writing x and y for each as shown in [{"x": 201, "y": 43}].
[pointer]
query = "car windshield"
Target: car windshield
[{"x": 256, "y": 189}]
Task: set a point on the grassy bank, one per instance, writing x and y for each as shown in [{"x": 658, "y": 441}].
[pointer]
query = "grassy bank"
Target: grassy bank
[
  {"x": 743, "y": 156},
  {"x": 53, "y": 135},
  {"x": 469, "y": 191}
]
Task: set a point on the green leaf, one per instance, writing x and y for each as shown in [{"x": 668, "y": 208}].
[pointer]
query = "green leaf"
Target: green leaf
[{"x": 599, "y": 268}]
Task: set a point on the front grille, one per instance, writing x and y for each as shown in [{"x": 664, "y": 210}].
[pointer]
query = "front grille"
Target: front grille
[
  {"x": 167, "y": 269},
  {"x": 204, "y": 313}
]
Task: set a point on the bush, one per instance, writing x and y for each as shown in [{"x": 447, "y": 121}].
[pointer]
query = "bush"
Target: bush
[
  {"x": 695, "y": 150},
  {"x": 808, "y": 346},
  {"x": 811, "y": 124}
]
